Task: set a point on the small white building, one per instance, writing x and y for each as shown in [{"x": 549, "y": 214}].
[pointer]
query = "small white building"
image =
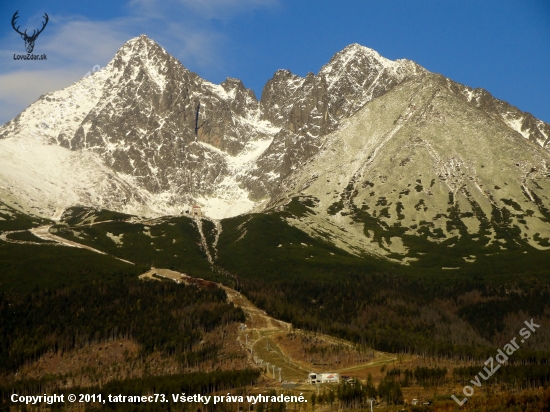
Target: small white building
[{"x": 326, "y": 377}]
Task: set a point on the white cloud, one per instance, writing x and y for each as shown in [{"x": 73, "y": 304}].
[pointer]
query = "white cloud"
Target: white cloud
[
  {"x": 84, "y": 41},
  {"x": 223, "y": 9},
  {"x": 186, "y": 43},
  {"x": 21, "y": 88}
]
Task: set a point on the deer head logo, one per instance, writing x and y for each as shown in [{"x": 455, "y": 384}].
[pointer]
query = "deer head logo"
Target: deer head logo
[{"x": 29, "y": 40}]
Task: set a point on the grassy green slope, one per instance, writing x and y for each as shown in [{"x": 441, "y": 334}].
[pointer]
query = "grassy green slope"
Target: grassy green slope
[
  {"x": 249, "y": 246},
  {"x": 24, "y": 268},
  {"x": 510, "y": 258},
  {"x": 258, "y": 246},
  {"x": 81, "y": 215},
  {"x": 264, "y": 246},
  {"x": 172, "y": 243}
]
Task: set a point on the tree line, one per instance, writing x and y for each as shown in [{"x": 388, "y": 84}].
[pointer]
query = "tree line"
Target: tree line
[
  {"x": 463, "y": 320},
  {"x": 161, "y": 316}
]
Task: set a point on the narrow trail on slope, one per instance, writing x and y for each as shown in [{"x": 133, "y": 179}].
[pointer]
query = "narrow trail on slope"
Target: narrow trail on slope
[
  {"x": 43, "y": 233},
  {"x": 4, "y": 237},
  {"x": 259, "y": 327}
]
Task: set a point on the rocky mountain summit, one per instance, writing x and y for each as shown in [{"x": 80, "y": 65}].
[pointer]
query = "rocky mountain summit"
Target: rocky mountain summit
[
  {"x": 307, "y": 109},
  {"x": 365, "y": 139}
]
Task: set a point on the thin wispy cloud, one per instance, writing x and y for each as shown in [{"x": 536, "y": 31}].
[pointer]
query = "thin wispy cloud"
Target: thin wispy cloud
[
  {"x": 224, "y": 9},
  {"x": 79, "y": 40},
  {"x": 208, "y": 9},
  {"x": 190, "y": 44}
]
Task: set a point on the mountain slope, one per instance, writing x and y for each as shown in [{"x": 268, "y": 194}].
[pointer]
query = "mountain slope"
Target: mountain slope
[
  {"x": 138, "y": 117},
  {"x": 45, "y": 179},
  {"x": 423, "y": 161},
  {"x": 309, "y": 108},
  {"x": 146, "y": 136}
]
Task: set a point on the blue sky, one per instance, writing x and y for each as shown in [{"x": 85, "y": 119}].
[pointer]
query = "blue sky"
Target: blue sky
[{"x": 502, "y": 46}]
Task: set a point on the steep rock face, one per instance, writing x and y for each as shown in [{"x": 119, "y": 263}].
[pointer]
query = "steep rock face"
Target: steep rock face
[
  {"x": 157, "y": 125},
  {"x": 315, "y": 105},
  {"x": 147, "y": 126},
  {"x": 308, "y": 109},
  {"x": 278, "y": 96},
  {"x": 524, "y": 123}
]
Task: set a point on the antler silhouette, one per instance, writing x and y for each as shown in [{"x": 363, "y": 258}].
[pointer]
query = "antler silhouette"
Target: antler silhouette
[
  {"x": 29, "y": 40},
  {"x": 43, "y": 26},
  {"x": 15, "y": 17}
]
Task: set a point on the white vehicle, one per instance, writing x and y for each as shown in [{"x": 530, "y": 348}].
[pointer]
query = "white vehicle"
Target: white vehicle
[{"x": 326, "y": 377}]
